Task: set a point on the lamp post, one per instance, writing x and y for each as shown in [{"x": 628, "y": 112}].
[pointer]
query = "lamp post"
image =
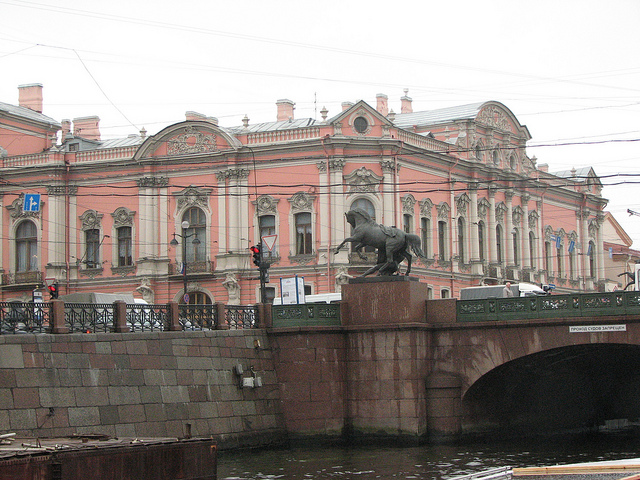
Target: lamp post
[{"x": 174, "y": 243}]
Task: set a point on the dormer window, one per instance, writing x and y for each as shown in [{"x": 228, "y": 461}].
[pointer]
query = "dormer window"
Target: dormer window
[{"x": 74, "y": 147}]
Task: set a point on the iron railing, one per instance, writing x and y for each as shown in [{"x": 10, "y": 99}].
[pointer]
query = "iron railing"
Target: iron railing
[
  {"x": 239, "y": 317},
  {"x": 198, "y": 317},
  {"x": 549, "y": 306},
  {"x": 24, "y": 317},
  {"x": 89, "y": 317},
  {"x": 147, "y": 317}
]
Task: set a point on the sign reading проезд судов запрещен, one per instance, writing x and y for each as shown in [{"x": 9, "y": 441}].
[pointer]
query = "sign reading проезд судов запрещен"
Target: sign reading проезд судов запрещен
[{"x": 597, "y": 328}]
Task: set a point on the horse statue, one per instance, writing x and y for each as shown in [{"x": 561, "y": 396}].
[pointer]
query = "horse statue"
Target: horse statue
[{"x": 393, "y": 244}]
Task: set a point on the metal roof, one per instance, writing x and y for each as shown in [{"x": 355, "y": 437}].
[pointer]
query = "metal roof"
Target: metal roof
[
  {"x": 273, "y": 126},
  {"x": 578, "y": 174},
  {"x": 441, "y": 115},
  {"x": 28, "y": 114},
  {"x": 130, "y": 141}
]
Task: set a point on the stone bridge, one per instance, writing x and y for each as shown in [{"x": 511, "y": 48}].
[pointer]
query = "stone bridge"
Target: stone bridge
[{"x": 447, "y": 368}]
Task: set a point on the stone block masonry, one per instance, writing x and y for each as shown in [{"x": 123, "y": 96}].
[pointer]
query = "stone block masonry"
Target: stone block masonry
[{"x": 156, "y": 384}]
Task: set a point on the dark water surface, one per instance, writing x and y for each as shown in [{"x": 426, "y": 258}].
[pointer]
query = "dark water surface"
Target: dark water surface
[{"x": 423, "y": 462}]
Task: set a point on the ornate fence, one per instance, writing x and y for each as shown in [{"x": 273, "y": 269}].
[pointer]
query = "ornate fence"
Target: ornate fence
[
  {"x": 199, "y": 317},
  {"x": 20, "y": 317},
  {"x": 30, "y": 317},
  {"x": 549, "y": 306}
]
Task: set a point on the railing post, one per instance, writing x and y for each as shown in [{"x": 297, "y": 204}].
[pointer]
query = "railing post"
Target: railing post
[
  {"x": 222, "y": 318},
  {"x": 173, "y": 320},
  {"x": 120, "y": 317},
  {"x": 57, "y": 317},
  {"x": 264, "y": 315}
]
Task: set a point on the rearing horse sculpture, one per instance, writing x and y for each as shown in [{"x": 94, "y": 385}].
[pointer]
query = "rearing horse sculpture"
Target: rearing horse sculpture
[{"x": 392, "y": 243}]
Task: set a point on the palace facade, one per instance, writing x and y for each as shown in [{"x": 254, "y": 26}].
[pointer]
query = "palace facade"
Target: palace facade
[{"x": 108, "y": 210}]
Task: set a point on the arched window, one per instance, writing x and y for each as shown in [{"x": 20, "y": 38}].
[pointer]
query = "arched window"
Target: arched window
[
  {"x": 198, "y": 298},
  {"x": 303, "y": 233},
  {"x": 425, "y": 234},
  {"x": 547, "y": 257},
  {"x": 365, "y": 205},
  {"x": 515, "y": 235},
  {"x": 496, "y": 158},
  {"x": 513, "y": 162},
  {"x": 461, "y": 239},
  {"x": 197, "y": 228},
  {"x": 26, "y": 247},
  {"x": 499, "y": 243},
  {"x": 125, "y": 247},
  {"x": 481, "y": 242},
  {"x": 368, "y": 207}
]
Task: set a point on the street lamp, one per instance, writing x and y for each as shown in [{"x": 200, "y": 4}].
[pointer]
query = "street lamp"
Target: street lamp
[{"x": 174, "y": 243}]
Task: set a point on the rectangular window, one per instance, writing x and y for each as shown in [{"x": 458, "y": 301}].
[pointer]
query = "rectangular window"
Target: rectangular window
[
  {"x": 407, "y": 221},
  {"x": 425, "y": 233},
  {"x": 442, "y": 240},
  {"x": 92, "y": 246},
  {"x": 267, "y": 226},
  {"x": 303, "y": 234},
  {"x": 125, "y": 257}
]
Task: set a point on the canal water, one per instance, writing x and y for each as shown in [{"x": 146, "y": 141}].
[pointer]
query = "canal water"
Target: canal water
[{"x": 386, "y": 461}]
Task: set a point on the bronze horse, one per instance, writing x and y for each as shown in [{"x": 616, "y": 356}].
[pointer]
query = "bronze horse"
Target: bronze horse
[{"x": 392, "y": 243}]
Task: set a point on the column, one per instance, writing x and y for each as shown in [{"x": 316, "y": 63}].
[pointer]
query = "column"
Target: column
[
  {"x": 242, "y": 187},
  {"x": 526, "y": 250},
  {"x": 388, "y": 179},
  {"x": 493, "y": 254},
  {"x": 56, "y": 226},
  {"x": 508, "y": 234},
  {"x": 473, "y": 223},
  {"x": 337, "y": 200},
  {"x": 600, "y": 248},
  {"x": 324, "y": 201},
  {"x": 223, "y": 195}
]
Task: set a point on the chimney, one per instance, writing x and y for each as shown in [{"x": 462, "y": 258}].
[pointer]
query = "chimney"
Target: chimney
[
  {"x": 30, "y": 96},
  {"x": 87, "y": 127},
  {"x": 382, "y": 105},
  {"x": 66, "y": 127},
  {"x": 406, "y": 103},
  {"x": 346, "y": 105},
  {"x": 285, "y": 109},
  {"x": 544, "y": 167}
]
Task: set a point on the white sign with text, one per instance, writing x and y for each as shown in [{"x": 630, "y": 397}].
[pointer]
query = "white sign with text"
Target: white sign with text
[{"x": 597, "y": 328}]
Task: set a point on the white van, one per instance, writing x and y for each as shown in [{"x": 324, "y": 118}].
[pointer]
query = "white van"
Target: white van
[
  {"x": 320, "y": 298},
  {"x": 495, "y": 291}
]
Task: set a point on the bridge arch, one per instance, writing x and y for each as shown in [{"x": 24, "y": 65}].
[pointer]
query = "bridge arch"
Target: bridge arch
[{"x": 574, "y": 388}]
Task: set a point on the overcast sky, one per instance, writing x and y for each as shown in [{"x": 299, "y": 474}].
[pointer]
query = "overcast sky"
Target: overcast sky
[{"x": 569, "y": 70}]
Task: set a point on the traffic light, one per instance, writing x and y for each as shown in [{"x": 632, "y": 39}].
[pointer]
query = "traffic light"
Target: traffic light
[
  {"x": 53, "y": 290},
  {"x": 257, "y": 255}
]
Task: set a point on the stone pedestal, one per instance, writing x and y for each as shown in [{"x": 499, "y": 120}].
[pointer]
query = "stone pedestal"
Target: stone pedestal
[{"x": 383, "y": 301}]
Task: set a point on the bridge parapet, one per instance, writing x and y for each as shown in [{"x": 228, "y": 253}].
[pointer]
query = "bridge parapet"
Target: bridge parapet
[{"x": 549, "y": 306}]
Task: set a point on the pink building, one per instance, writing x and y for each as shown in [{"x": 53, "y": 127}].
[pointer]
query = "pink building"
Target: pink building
[{"x": 458, "y": 177}]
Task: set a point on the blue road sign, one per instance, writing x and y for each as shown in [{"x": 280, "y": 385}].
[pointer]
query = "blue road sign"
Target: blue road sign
[{"x": 31, "y": 202}]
